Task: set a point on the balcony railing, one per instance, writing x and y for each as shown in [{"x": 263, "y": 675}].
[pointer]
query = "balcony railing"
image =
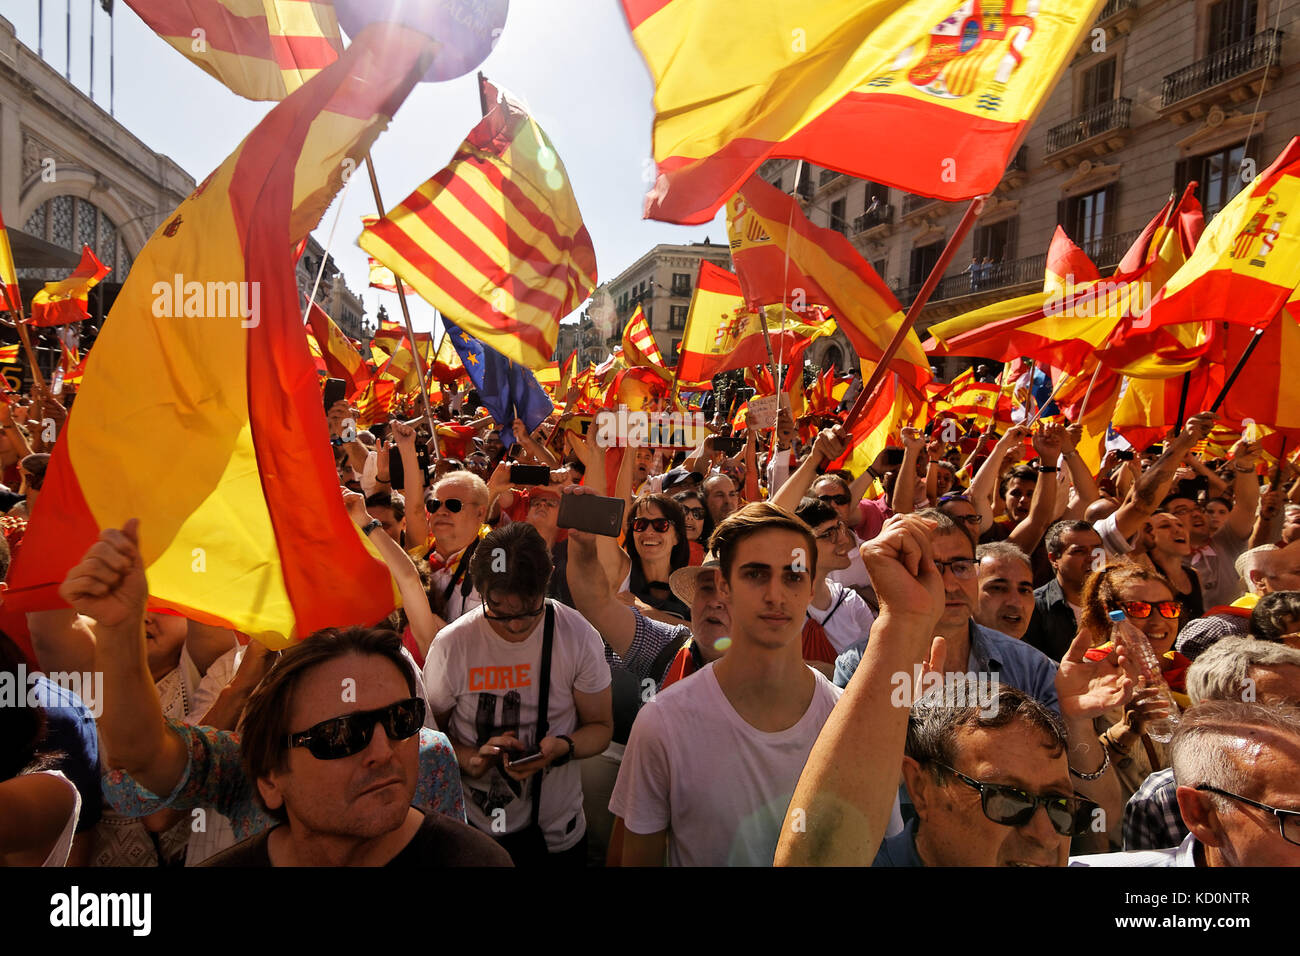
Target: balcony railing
[
  {"x": 1019, "y": 162},
  {"x": 1114, "y": 7},
  {"x": 827, "y": 176},
  {"x": 1104, "y": 252},
  {"x": 912, "y": 202},
  {"x": 882, "y": 214},
  {"x": 1254, "y": 53},
  {"x": 1102, "y": 118},
  {"x": 682, "y": 289}
]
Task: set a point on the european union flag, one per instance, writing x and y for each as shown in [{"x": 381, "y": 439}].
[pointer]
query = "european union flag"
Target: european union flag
[{"x": 506, "y": 388}]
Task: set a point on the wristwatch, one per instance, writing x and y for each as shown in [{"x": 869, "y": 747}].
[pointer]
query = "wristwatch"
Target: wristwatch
[
  {"x": 561, "y": 761},
  {"x": 374, "y": 523},
  {"x": 1047, "y": 469}
]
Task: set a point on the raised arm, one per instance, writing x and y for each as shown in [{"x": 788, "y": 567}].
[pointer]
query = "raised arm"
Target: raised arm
[
  {"x": 903, "y": 501},
  {"x": 1245, "y": 488},
  {"x": 1151, "y": 486},
  {"x": 1042, "y": 507},
  {"x": 539, "y": 452},
  {"x": 841, "y": 805},
  {"x": 417, "y": 520},
  {"x": 590, "y": 586},
  {"x": 984, "y": 485},
  {"x": 828, "y": 445},
  {"x": 109, "y": 587}
]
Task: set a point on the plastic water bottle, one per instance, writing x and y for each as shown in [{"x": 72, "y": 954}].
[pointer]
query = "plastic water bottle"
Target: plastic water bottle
[{"x": 1124, "y": 634}]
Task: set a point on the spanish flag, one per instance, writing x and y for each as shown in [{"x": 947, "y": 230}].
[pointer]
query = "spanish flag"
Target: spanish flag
[
  {"x": 65, "y": 301},
  {"x": 495, "y": 241},
  {"x": 261, "y": 49},
  {"x": 250, "y": 531},
  {"x": 447, "y": 366},
  {"x": 10, "y": 299},
  {"x": 929, "y": 96},
  {"x": 640, "y": 347},
  {"x": 341, "y": 359},
  {"x": 782, "y": 257},
  {"x": 722, "y": 333},
  {"x": 1246, "y": 265},
  {"x": 891, "y": 408},
  {"x": 966, "y": 398}
]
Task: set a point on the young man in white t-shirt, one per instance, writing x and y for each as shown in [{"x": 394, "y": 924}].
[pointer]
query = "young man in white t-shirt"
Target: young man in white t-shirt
[
  {"x": 713, "y": 760},
  {"x": 483, "y": 675}
]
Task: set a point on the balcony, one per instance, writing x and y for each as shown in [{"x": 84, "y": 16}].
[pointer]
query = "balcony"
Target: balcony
[
  {"x": 1105, "y": 253},
  {"x": 1237, "y": 73},
  {"x": 1118, "y": 15},
  {"x": 876, "y": 224},
  {"x": 1095, "y": 132},
  {"x": 681, "y": 288},
  {"x": 828, "y": 176},
  {"x": 916, "y": 208},
  {"x": 1017, "y": 172}
]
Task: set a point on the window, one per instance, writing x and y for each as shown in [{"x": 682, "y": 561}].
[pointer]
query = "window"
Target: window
[
  {"x": 1218, "y": 176},
  {"x": 677, "y": 316},
  {"x": 923, "y": 260},
  {"x": 72, "y": 222},
  {"x": 1089, "y": 217},
  {"x": 880, "y": 265},
  {"x": 875, "y": 193},
  {"x": 1098, "y": 85},
  {"x": 1231, "y": 22},
  {"x": 996, "y": 241},
  {"x": 837, "y": 215},
  {"x": 649, "y": 317},
  {"x": 681, "y": 283}
]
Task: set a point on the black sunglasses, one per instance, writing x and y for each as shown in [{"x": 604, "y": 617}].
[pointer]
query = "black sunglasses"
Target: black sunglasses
[
  {"x": 696, "y": 513},
  {"x": 1012, "y": 807},
  {"x": 659, "y": 524},
  {"x": 834, "y": 499},
  {"x": 453, "y": 505},
  {"x": 344, "y": 736}
]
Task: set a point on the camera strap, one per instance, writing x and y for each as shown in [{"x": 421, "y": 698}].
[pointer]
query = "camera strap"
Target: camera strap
[{"x": 543, "y": 701}]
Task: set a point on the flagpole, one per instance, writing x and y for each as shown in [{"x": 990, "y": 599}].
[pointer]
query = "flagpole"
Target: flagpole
[
  {"x": 914, "y": 313},
  {"x": 406, "y": 317},
  {"x": 31, "y": 353},
  {"x": 1259, "y": 334}
]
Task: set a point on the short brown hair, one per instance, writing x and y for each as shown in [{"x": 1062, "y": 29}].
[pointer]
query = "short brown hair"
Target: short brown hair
[
  {"x": 751, "y": 519},
  {"x": 265, "y": 728}
]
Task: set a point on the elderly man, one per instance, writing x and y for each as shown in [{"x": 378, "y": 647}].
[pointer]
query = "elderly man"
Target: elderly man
[
  {"x": 1237, "y": 769},
  {"x": 1266, "y": 570},
  {"x": 1006, "y": 588},
  {"x": 1235, "y": 668},
  {"x": 457, "y": 505},
  {"x": 721, "y": 497}
]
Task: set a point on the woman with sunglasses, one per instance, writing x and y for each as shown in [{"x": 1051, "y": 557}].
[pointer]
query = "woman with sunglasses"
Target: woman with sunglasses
[
  {"x": 656, "y": 543},
  {"x": 698, "y": 524},
  {"x": 1147, "y": 600}
]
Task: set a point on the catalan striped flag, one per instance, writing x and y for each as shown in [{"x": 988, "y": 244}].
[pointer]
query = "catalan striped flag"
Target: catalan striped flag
[
  {"x": 781, "y": 257},
  {"x": 639, "y": 345},
  {"x": 252, "y": 533},
  {"x": 381, "y": 277},
  {"x": 951, "y": 86},
  {"x": 495, "y": 241},
  {"x": 66, "y": 300},
  {"x": 9, "y": 354},
  {"x": 376, "y": 401},
  {"x": 341, "y": 359},
  {"x": 261, "y": 49},
  {"x": 10, "y": 299}
]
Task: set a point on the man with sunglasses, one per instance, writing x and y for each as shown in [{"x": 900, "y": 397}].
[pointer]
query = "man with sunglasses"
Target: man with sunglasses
[
  {"x": 332, "y": 744},
  {"x": 1237, "y": 770}
]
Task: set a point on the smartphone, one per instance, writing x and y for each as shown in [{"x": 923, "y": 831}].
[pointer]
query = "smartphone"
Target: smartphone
[
  {"x": 591, "y": 513},
  {"x": 893, "y": 457},
  {"x": 397, "y": 472},
  {"x": 1124, "y": 454},
  {"x": 525, "y": 761},
  {"x": 335, "y": 391},
  {"x": 530, "y": 475},
  {"x": 728, "y": 446}
]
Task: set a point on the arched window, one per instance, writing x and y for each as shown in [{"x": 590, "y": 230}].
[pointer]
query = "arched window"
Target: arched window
[
  {"x": 72, "y": 222},
  {"x": 833, "y": 358}
]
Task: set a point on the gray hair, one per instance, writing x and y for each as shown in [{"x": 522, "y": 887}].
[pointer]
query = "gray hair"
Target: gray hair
[
  {"x": 1256, "y": 559},
  {"x": 1220, "y": 671},
  {"x": 932, "y": 725},
  {"x": 1209, "y": 744},
  {"x": 1002, "y": 549}
]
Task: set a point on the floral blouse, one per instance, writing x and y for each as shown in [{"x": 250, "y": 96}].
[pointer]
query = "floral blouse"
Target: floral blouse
[{"x": 214, "y": 779}]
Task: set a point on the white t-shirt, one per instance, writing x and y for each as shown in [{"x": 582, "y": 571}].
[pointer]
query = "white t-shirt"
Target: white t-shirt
[
  {"x": 488, "y": 684},
  {"x": 1114, "y": 542},
  {"x": 696, "y": 768},
  {"x": 855, "y": 575},
  {"x": 62, "y": 849},
  {"x": 846, "y": 620}
]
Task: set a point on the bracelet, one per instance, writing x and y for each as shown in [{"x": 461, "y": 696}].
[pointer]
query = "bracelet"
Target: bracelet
[
  {"x": 872, "y": 472},
  {"x": 1105, "y": 765},
  {"x": 374, "y": 523},
  {"x": 1048, "y": 469}
]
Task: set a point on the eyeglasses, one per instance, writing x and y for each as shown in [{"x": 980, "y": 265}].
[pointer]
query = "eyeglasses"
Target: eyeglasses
[
  {"x": 1288, "y": 821},
  {"x": 962, "y": 568},
  {"x": 696, "y": 513},
  {"x": 1141, "y": 610},
  {"x": 344, "y": 736},
  {"x": 966, "y": 519},
  {"x": 840, "y": 500},
  {"x": 659, "y": 524},
  {"x": 1012, "y": 807},
  {"x": 453, "y": 505},
  {"x": 491, "y": 616},
  {"x": 837, "y": 528}
]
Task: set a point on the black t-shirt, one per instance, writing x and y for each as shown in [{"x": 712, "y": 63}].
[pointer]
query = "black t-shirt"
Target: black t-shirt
[{"x": 440, "y": 842}]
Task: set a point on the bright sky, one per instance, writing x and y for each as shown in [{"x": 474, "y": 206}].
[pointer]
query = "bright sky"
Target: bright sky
[{"x": 571, "y": 61}]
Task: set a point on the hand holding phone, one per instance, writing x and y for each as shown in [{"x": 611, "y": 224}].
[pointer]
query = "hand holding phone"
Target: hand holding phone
[{"x": 594, "y": 514}]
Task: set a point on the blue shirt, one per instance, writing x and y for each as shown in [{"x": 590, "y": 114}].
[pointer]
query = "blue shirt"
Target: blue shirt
[
  {"x": 899, "y": 849},
  {"x": 992, "y": 652}
]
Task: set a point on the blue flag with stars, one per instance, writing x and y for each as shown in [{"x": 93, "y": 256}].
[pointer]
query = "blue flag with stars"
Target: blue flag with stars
[{"x": 506, "y": 388}]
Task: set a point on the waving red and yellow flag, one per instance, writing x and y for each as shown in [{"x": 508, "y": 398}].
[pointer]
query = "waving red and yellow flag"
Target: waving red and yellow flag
[
  {"x": 66, "y": 300},
  {"x": 10, "y": 299},
  {"x": 341, "y": 359},
  {"x": 950, "y": 86},
  {"x": 242, "y": 522},
  {"x": 640, "y": 347}
]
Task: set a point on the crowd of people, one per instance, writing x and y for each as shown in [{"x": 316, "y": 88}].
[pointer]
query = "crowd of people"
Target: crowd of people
[{"x": 767, "y": 661}]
